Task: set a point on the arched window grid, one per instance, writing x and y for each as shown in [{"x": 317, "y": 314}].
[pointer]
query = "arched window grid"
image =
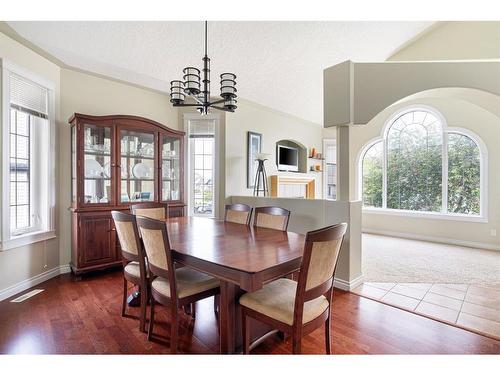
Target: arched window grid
[{"x": 444, "y": 133}]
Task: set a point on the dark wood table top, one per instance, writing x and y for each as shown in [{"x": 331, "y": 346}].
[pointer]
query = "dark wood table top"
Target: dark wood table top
[{"x": 236, "y": 246}]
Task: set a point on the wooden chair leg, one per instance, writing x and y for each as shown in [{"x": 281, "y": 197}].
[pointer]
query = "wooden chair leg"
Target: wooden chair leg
[
  {"x": 245, "y": 325},
  {"x": 328, "y": 336},
  {"x": 297, "y": 344},
  {"x": 151, "y": 318},
  {"x": 124, "y": 299},
  {"x": 173, "y": 328},
  {"x": 144, "y": 303}
]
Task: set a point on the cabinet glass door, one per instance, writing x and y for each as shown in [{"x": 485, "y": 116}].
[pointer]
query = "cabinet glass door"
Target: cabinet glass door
[
  {"x": 170, "y": 168},
  {"x": 97, "y": 164},
  {"x": 137, "y": 166}
]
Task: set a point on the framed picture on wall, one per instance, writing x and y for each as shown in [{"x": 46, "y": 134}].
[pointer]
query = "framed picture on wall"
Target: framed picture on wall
[{"x": 254, "y": 147}]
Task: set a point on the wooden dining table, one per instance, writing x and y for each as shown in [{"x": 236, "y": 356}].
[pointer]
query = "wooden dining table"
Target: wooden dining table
[{"x": 242, "y": 257}]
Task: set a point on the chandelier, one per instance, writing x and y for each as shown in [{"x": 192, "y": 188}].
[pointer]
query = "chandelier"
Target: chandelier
[{"x": 197, "y": 87}]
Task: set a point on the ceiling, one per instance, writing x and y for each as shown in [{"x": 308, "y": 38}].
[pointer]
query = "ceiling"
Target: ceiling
[{"x": 278, "y": 64}]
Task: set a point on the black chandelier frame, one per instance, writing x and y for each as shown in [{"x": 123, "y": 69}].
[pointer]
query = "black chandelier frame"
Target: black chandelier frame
[{"x": 199, "y": 89}]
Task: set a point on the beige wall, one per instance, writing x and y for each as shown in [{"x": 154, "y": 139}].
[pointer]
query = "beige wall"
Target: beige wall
[
  {"x": 274, "y": 126},
  {"x": 20, "y": 264},
  {"x": 462, "y": 40},
  {"x": 84, "y": 93},
  {"x": 458, "y": 113}
]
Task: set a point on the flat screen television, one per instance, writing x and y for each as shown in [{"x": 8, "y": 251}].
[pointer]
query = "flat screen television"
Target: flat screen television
[{"x": 287, "y": 158}]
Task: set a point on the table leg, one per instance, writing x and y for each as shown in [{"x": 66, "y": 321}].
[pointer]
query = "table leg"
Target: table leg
[{"x": 227, "y": 316}]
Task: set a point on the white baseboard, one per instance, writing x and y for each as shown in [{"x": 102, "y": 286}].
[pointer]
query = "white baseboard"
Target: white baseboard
[
  {"x": 32, "y": 281},
  {"x": 443, "y": 240},
  {"x": 347, "y": 285}
]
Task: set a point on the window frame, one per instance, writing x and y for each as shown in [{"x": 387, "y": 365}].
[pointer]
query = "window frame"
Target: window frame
[
  {"x": 189, "y": 160},
  {"x": 445, "y": 129},
  {"x": 44, "y": 197}
]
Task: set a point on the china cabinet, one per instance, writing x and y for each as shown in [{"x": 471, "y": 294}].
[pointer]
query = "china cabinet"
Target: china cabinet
[{"x": 118, "y": 161}]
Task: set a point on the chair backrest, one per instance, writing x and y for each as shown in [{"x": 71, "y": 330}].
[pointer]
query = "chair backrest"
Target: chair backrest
[
  {"x": 153, "y": 210},
  {"x": 238, "y": 213},
  {"x": 128, "y": 235},
  {"x": 126, "y": 229},
  {"x": 321, "y": 252},
  {"x": 271, "y": 217},
  {"x": 156, "y": 245},
  {"x": 158, "y": 251}
]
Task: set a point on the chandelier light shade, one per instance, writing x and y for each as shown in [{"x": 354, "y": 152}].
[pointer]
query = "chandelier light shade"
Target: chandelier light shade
[
  {"x": 228, "y": 85},
  {"x": 191, "y": 80},
  {"x": 196, "y": 85},
  {"x": 177, "y": 95}
]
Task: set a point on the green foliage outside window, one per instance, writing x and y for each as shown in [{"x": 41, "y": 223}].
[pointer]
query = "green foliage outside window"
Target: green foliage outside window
[
  {"x": 415, "y": 168},
  {"x": 372, "y": 176},
  {"x": 464, "y": 175}
]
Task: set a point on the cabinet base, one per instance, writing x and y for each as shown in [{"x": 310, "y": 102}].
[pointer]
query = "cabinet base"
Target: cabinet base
[{"x": 82, "y": 270}]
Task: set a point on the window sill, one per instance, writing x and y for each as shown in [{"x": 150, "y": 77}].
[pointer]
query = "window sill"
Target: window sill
[
  {"x": 27, "y": 239},
  {"x": 426, "y": 215}
]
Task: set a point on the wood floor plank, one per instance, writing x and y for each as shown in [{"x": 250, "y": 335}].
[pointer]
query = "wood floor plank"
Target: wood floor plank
[{"x": 84, "y": 317}]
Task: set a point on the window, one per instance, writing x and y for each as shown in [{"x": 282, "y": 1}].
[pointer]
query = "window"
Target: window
[
  {"x": 202, "y": 166},
  {"x": 330, "y": 175},
  {"x": 27, "y": 157},
  {"x": 372, "y": 176},
  {"x": 421, "y": 165}
]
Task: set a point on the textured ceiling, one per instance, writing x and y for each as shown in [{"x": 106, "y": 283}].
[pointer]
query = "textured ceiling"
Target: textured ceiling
[{"x": 278, "y": 64}]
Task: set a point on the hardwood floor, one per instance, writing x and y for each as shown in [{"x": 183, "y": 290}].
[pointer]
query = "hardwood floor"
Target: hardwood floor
[{"x": 84, "y": 317}]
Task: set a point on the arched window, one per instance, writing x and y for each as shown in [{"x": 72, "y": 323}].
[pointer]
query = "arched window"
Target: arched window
[{"x": 421, "y": 165}]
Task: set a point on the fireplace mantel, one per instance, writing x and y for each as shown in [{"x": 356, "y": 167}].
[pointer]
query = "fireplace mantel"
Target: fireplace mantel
[{"x": 293, "y": 187}]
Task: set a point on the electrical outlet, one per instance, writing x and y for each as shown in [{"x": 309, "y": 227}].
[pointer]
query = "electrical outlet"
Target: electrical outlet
[{"x": 493, "y": 232}]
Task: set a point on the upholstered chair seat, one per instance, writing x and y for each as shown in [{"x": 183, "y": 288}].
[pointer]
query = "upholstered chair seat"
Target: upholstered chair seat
[
  {"x": 277, "y": 300},
  {"x": 133, "y": 269},
  {"x": 189, "y": 282}
]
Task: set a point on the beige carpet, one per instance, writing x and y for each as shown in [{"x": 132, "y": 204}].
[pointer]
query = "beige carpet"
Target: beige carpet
[{"x": 390, "y": 259}]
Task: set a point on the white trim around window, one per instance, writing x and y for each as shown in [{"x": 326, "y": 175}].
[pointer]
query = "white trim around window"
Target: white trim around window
[
  {"x": 443, "y": 215},
  {"x": 215, "y": 161},
  {"x": 44, "y": 164}
]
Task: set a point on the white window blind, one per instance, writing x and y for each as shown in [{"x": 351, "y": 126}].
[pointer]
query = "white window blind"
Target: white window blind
[
  {"x": 27, "y": 96},
  {"x": 201, "y": 129}
]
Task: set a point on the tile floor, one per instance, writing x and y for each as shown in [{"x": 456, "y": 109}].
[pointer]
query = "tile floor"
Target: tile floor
[{"x": 469, "y": 306}]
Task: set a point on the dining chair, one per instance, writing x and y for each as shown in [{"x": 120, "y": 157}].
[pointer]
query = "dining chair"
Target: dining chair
[
  {"x": 157, "y": 211},
  {"x": 134, "y": 265},
  {"x": 271, "y": 217},
  {"x": 170, "y": 286},
  {"x": 238, "y": 213},
  {"x": 153, "y": 210},
  {"x": 298, "y": 308}
]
